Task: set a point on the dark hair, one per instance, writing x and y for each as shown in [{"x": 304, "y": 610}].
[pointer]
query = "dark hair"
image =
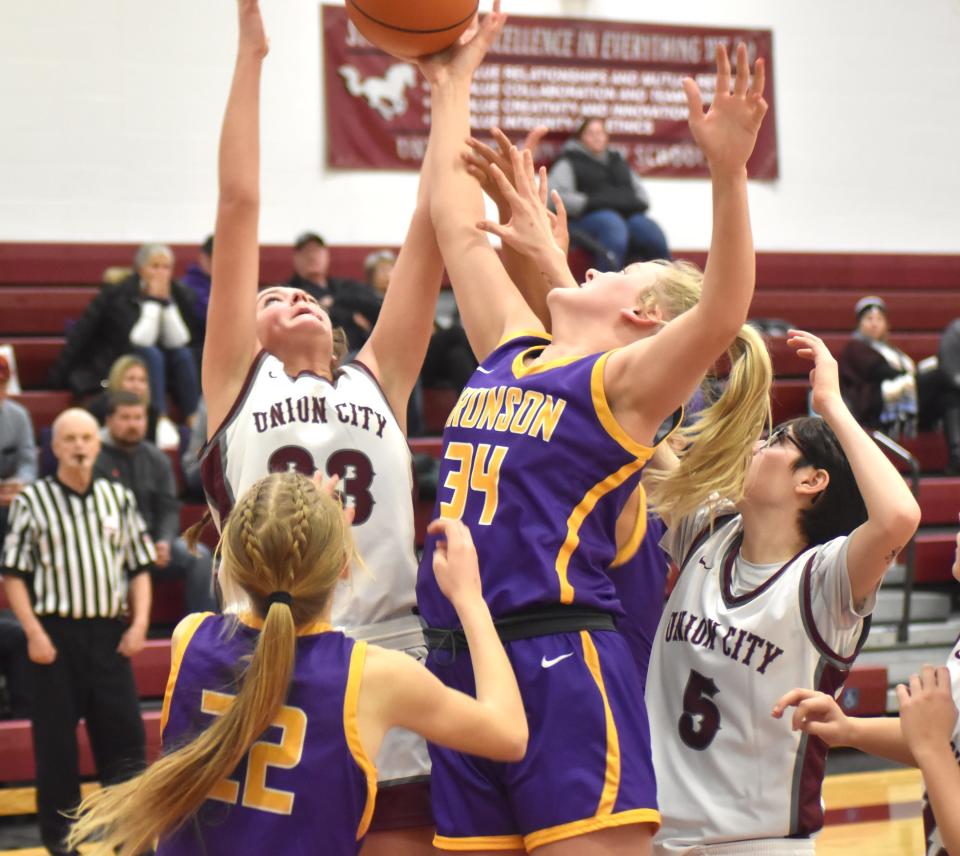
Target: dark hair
[
  {"x": 839, "y": 509},
  {"x": 123, "y": 398},
  {"x": 586, "y": 120},
  {"x": 207, "y": 246}
]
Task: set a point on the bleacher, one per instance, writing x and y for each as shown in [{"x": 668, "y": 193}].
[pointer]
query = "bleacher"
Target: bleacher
[{"x": 44, "y": 286}]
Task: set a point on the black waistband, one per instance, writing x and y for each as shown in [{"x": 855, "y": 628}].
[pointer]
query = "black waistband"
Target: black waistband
[{"x": 540, "y": 621}]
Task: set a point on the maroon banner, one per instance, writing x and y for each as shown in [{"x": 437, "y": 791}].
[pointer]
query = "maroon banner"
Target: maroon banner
[{"x": 542, "y": 71}]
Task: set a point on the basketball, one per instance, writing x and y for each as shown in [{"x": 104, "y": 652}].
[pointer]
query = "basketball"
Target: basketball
[{"x": 411, "y": 28}]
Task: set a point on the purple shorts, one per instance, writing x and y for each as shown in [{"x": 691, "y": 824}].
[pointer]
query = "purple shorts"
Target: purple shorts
[{"x": 588, "y": 764}]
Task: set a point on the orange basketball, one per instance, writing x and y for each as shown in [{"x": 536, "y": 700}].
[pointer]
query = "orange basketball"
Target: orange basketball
[{"x": 411, "y": 28}]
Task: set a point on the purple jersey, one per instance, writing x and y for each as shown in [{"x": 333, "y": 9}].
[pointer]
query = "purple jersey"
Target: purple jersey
[
  {"x": 640, "y": 579},
  {"x": 536, "y": 465},
  {"x": 306, "y": 786}
]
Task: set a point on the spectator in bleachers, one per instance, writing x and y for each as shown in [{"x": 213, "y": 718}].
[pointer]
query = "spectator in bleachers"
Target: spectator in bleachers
[
  {"x": 351, "y": 305},
  {"x": 877, "y": 379},
  {"x": 126, "y": 456},
  {"x": 947, "y": 394},
  {"x": 129, "y": 372},
  {"x": 73, "y": 560},
  {"x": 150, "y": 314},
  {"x": 197, "y": 279},
  {"x": 18, "y": 453},
  {"x": 605, "y": 198}
]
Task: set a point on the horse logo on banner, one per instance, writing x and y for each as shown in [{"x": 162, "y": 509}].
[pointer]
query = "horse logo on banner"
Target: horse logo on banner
[{"x": 388, "y": 94}]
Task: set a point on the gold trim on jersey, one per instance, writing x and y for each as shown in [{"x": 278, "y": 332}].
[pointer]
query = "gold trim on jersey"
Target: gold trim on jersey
[
  {"x": 605, "y": 414},
  {"x": 579, "y": 514},
  {"x": 479, "y": 842},
  {"x": 256, "y": 623},
  {"x": 611, "y": 775},
  {"x": 520, "y": 369},
  {"x": 590, "y": 824},
  {"x": 351, "y": 731},
  {"x": 627, "y": 551},
  {"x": 521, "y": 333},
  {"x": 182, "y": 635}
]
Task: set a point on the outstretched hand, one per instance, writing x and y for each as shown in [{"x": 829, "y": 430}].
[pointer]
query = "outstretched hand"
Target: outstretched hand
[
  {"x": 825, "y": 376},
  {"x": 252, "y": 36},
  {"x": 817, "y": 714},
  {"x": 480, "y": 162},
  {"x": 927, "y": 711},
  {"x": 455, "y": 563},
  {"x": 461, "y": 60},
  {"x": 727, "y": 132},
  {"x": 531, "y": 227}
]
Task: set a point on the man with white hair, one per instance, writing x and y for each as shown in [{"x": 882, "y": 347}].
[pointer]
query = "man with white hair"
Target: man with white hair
[{"x": 73, "y": 559}]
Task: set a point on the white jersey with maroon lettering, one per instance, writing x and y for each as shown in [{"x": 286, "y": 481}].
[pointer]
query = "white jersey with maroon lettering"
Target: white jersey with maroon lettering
[
  {"x": 727, "y": 771},
  {"x": 343, "y": 427},
  {"x": 934, "y": 840}
]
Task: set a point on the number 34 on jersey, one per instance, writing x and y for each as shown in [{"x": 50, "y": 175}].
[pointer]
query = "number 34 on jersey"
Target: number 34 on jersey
[{"x": 472, "y": 468}]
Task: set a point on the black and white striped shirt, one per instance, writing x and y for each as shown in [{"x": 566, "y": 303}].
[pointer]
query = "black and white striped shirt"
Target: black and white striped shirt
[{"x": 77, "y": 551}]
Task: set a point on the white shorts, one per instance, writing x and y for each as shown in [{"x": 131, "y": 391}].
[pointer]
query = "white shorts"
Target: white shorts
[
  {"x": 750, "y": 847},
  {"x": 403, "y": 755}
]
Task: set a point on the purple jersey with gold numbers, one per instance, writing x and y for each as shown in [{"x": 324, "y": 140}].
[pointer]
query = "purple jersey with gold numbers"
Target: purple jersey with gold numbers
[
  {"x": 306, "y": 786},
  {"x": 536, "y": 465}
]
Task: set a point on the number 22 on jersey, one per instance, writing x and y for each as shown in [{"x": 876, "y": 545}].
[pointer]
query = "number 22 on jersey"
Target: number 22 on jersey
[
  {"x": 473, "y": 468},
  {"x": 286, "y": 755}
]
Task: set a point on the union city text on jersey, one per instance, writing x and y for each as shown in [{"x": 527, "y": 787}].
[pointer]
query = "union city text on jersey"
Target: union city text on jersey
[
  {"x": 314, "y": 409},
  {"x": 733, "y": 642}
]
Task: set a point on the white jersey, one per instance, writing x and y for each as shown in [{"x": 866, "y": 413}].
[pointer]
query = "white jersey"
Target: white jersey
[
  {"x": 934, "y": 841},
  {"x": 343, "y": 427},
  {"x": 724, "y": 653}
]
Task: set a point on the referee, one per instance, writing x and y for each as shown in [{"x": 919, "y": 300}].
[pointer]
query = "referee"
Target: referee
[{"x": 74, "y": 555}]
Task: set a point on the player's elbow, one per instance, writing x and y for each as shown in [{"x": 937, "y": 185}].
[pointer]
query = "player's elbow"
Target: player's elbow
[{"x": 514, "y": 742}]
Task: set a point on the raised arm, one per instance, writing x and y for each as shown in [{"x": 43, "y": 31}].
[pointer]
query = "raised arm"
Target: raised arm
[
  {"x": 400, "y": 692},
  {"x": 231, "y": 340},
  {"x": 892, "y": 512},
  {"x": 691, "y": 343},
  {"x": 535, "y": 240},
  {"x": 398, "y": 344},
  {"x": 489, "y": 304}
]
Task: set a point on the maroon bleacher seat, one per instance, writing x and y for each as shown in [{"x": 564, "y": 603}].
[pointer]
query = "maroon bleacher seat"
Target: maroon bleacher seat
[{"x": 16, "y": 747}]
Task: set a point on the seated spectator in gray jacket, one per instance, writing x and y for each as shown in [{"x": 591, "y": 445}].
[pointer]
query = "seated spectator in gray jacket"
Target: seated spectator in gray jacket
[
  {"x": 149, "y": 314},
  {"x": 126, "y": 457},
  {"x": 606, "y": 199},
  {"x": 18, "y": 453}
]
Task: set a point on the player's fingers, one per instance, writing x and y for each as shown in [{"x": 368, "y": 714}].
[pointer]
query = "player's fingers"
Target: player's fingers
[
  {"x": 483, "y": 150},
  {"x": 742, "y": 79},
  {"x": 788, "y": 699},
  {"x": 915, "y": 685},
  {"x": 493, "y": 228},
  {"x": 903, "y": 695},
  {"x": 694, "y": 101},
  {"x": 542, "y": 188},
  {"x": 723, "y": 70},
  {"x": 503, "y": 141},
  {"x": 533, "y": 138},
  {"x": 506, "y": 188},
  {"x": 928, "y": 677},
  {"x": 759, "y": 78}
]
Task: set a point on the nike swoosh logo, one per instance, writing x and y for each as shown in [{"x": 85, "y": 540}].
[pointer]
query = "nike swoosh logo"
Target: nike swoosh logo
[
  {"x": 546, "y": 664},
  {"x": 482, "y": 370}
]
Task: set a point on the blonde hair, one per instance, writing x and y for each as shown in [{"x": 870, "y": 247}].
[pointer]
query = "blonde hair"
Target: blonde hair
[
  {"x": 719, "y": 445},
  {"x": 716, "y": 448},
  {"x": 121, "y": 365},
  {"x": 285, "y": 535}
]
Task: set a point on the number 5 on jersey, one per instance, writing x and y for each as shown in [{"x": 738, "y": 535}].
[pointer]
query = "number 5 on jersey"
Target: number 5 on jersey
[{"x": 473, "y": 468}]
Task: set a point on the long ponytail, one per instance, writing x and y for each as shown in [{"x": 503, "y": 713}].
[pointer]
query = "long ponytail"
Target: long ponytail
[
  {"x": 284, "y": 535},
  {"x": 719, "y": 445}
]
